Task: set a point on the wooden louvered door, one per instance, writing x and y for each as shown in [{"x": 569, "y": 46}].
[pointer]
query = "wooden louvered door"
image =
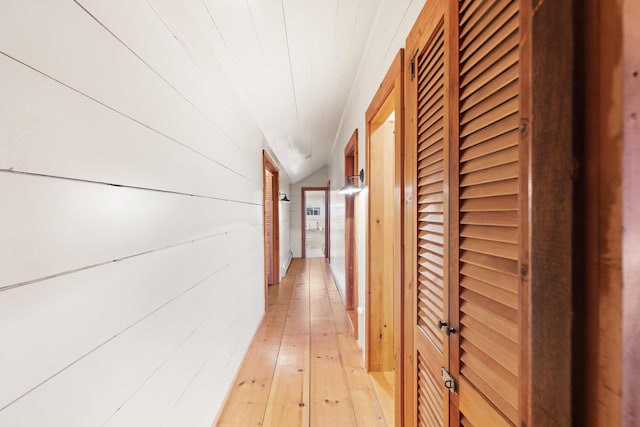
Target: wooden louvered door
[
  {"x": 487, "y": 251},
  {"x": 426, "y": 171},
  {"x": 466, "y": 182},
  {"x": 271, "y": 185},
  {"x": 268, "y": 224}
]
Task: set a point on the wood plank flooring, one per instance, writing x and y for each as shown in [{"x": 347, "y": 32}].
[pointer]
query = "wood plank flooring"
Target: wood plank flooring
[{"x": 303, "y": 368}]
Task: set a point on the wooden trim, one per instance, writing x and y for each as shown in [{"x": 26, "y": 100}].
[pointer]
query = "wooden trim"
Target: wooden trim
[
  {"x": 269, "y": 165},
  {"x": 551, "y": 201},
  {"x": 410, "y": 233},
  {"x": 388, "y": 84},
  {"x": 392, "y": 84},
  {"x": 303, "y": 224},
  {"x": 351, "y": 247},
  {"x": 524, "y": 399},
  {"x": 585, "y": 361},
  {"x": 452, "y": 209},
  {"x": 423, "y": 29},
  {"x": 303, "y": 218},
  {"x": 398, "y": 308}
]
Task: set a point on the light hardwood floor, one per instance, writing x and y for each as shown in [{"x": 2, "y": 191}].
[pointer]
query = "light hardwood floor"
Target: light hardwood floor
[{"x": 304, "y": 367}]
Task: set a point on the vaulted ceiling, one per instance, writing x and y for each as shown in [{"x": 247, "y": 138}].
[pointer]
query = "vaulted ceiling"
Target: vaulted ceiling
[{"x": 292, "y": 63}]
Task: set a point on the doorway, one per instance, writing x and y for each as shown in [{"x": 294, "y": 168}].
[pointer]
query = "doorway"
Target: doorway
[
  {"x": 315, "y": 214},
  {"x": 315, "y": 222},
  {"x": 271, "y": 186},
  {"x": 383, "y": 315}
]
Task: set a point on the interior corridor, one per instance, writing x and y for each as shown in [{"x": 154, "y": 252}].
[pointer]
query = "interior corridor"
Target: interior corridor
[{"x": 303, "y": 368}]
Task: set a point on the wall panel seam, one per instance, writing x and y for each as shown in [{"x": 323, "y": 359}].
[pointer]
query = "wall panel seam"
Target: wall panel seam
[
  {"x": 132, "y": 187},
  {"x": 174, "y": 140},
  {"x": 125, "y": 258},
  {"x": 158, "y": 73},
  {"x": 181, "y": 344},
  {"x": 116, "y": 335}
]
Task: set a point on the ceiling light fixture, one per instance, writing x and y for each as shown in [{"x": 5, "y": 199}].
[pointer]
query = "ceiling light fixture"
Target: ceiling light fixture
[{"x": 353, "y": 188}]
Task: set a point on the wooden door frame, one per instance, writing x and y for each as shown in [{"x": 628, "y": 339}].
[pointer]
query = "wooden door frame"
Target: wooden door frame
[
  {"x": 350, "y": 244},
  {"x": 303, "y": 215},
  {"x": 351, "y": 248},
  {"x": 392, "y": 84},
  {"x": 269, "y": 165}
]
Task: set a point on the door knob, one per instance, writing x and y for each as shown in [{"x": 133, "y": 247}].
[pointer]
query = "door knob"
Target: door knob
[{"x": 446, "y": 327}]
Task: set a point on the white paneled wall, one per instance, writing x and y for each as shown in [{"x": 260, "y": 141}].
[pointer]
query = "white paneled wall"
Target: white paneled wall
[
  {"x": 131, "y": 254},
  {"x": 393, "y": 23},
  {"x": 285, "y": 223},
  {"x": 316, "y": 179},
  {"x": 337, "y": 234}
]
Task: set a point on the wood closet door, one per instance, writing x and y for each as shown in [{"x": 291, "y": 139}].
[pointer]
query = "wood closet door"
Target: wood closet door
[
  {"x": 464, "y": 181},
  {"x": 268, "y": 224},
  {"x": 426, "y": 173},
  {"x": 487, "y": 248}
]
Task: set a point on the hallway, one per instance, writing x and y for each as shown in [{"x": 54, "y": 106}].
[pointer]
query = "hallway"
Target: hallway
[{"x": 303, "y": 366}]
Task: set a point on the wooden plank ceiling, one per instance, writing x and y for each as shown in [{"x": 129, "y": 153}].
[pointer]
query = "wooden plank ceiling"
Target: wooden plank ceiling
[{"x": 292, "y": 62}]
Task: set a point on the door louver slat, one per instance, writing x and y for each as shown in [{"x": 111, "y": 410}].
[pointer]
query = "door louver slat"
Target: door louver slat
[
  {"x": 485, "y": 31},
  {"x": 508, "y": 76},
  {"x": 430, "y": 398},
  {"x": 480, "y": 60},
  {"x": 465, "y": 422}
]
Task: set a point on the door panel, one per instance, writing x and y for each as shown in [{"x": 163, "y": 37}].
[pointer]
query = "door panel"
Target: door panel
[
  {"x": 489, "y": 235},
  {"x": 268, "y": 224},
  {"x": 464, "y": 180},
  {"x": 271, "y": 186},
  {"x": 432, "y": 266},
  {"x": 427, "y": 171}
]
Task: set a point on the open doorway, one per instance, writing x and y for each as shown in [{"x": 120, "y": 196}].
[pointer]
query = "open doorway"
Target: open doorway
[
  {"x": 383, "y": 314},
  {"x": 315, "y": 214},
  {"x": 315, "y": 222},
  {"x": 271, "y": 186}
]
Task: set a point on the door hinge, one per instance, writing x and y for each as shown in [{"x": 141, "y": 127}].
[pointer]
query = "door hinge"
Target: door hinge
[
  {"x": 413, "y": 66},
  {"x": 449, "y": 382}
]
